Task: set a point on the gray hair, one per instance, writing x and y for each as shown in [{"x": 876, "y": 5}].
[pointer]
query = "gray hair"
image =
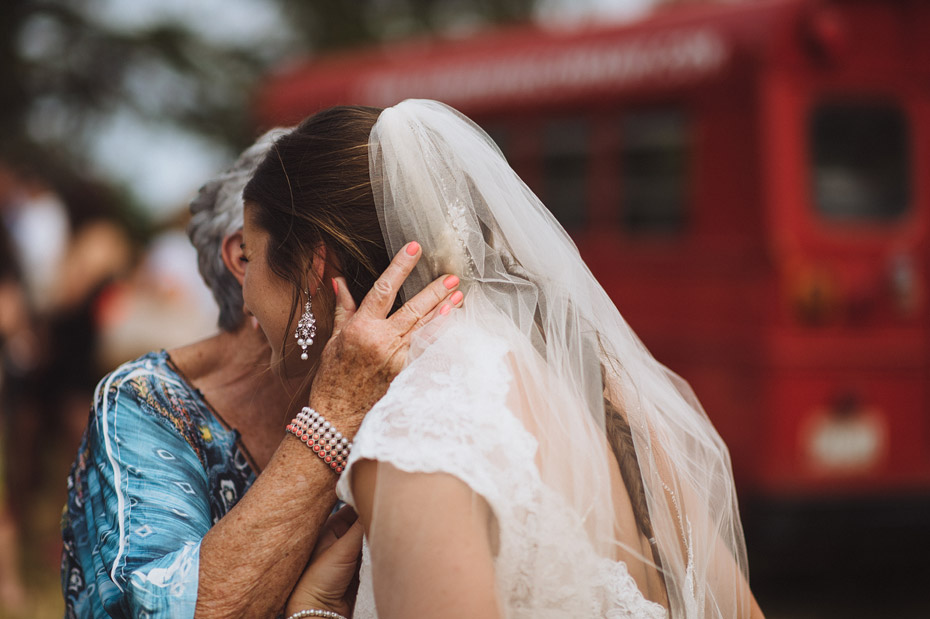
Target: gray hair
[{"x": 216, "y": 213}]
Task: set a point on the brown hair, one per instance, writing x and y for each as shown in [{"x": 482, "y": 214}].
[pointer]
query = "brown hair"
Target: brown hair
[{"x": 314, "y": 187}]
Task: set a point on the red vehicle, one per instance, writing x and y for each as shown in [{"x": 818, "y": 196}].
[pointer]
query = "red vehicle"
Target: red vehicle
[{"x": 751, "y": 184}]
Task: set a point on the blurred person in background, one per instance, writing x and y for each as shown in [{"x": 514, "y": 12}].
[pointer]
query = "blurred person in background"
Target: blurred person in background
[
  {"x": 14, "y": 325},
  {"x": 39, "y": 226},
  {"x": 70, "y": 250},
  {"x": 97, "y": 259},
  {"x": 163, "y": 303},
  {"x": 35, "y": 233},
  {"x": 36, "y": 229},
  {"x": 185, "y": 495}
]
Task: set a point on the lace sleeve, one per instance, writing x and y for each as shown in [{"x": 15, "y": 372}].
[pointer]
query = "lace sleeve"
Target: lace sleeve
[{"x": 447, "y": 413}]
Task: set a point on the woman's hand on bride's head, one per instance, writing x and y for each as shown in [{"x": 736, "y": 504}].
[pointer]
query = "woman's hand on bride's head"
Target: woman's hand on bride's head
[{"x": 368, "y": 348}]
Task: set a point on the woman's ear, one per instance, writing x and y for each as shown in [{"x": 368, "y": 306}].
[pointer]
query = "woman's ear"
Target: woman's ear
[{"x": 232, "y": 254}]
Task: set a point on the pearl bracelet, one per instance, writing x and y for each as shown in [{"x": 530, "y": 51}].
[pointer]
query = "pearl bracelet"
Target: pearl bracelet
[
  {"x": 320, "y": 436},
  {"x": 316, "y": 613}
]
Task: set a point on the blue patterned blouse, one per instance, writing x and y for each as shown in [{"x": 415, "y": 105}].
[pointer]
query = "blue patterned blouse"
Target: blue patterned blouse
[{"x": 156, "y": 469}]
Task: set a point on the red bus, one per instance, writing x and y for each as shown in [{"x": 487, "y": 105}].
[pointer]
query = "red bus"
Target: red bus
[{"x": 751, "y": 184}]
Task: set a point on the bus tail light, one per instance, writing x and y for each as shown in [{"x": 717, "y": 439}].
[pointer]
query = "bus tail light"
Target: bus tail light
[{"x": 815, "y": 296}]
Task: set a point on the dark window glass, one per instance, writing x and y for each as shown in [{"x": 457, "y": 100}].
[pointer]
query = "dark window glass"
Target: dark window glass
[
  {"x": 860, "y": 161},
  {"x": 565, "y": 170},
  {"x": 498, "y": 133},
  {"x": 654, "y": 171}
]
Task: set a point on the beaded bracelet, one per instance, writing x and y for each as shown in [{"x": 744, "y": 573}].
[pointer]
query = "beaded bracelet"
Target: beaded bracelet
[
  {"x": 320, "y": 436},
  {"x": 316, "y": 613}
]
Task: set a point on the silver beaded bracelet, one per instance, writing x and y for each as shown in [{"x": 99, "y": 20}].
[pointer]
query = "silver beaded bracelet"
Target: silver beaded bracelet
[{"x": 313, "y": 612}]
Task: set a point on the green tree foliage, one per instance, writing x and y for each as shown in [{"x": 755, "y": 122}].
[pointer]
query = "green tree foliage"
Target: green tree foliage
[
  {"x": 66, "y": 72},
  {"x": 331, "y": 24},
  {"x": 67, "y": 69}
]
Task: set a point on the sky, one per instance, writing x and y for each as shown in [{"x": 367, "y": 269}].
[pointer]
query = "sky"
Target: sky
[{"x": 175, "y": 163}]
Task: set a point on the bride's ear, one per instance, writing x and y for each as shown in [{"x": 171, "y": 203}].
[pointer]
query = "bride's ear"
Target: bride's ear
[
  {"x": 318, "y": 267},
  {"x": 232, "y": 254}
]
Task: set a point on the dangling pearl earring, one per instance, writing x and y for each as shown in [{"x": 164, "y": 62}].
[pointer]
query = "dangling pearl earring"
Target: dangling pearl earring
[{"x": 306, "y": 328}]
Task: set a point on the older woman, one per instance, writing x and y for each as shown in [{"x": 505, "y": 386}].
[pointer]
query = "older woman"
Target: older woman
[{"x": 185, "y": 497}]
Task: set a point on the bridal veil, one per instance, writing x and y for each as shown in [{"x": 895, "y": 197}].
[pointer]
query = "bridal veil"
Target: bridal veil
[{"x": 617, "y": 439}]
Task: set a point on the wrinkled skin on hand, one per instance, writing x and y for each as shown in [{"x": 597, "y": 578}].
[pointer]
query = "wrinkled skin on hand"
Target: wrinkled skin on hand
[{"x": 368, "y": 348}]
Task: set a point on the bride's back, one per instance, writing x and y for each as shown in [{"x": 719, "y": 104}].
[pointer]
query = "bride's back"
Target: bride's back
[{"x": 535, "y": 397}]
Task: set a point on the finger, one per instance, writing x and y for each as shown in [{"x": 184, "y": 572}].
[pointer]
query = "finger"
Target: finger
[
  {"x": 453, "y": 301},
  {"x": 342, "y": 520},
  {"x": 345, "y": 304},
  {"x": 347, "y": 547},
  {"x": 324, "y": 542},
  {"x": 334, "y": 528},
  {"x": 377, "y": 303},
  {"x": 419, "y": 309},
  {"x": 456, "y": 299}
]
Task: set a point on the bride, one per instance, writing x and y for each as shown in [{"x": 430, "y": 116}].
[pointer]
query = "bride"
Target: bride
[{"x": 532, "y": 459}]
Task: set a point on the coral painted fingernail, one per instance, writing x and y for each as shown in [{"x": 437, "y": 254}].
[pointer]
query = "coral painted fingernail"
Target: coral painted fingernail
[
  {"x": 335, "y": 286},
  {"x": 457, "y": 297},
  {"x": 445, "y": 309},
  {"x": 412, "y": 248},
  {"x": 450, "y": 282}
]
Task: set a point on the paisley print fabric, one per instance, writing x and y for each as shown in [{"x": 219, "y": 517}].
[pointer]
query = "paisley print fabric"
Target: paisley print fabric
[{"x": 155, "y": 470}]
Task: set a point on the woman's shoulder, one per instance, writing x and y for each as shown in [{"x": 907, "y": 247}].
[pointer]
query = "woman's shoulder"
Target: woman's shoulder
[
  {"x": 151, "y": 390},
  {"x": 152, "y": 367},
  {"x": 462, "y": 364},
  {"x": 465, "y": 342},
  {"x": 143, "y": 382},
  {"x": 448, "y": 406}
]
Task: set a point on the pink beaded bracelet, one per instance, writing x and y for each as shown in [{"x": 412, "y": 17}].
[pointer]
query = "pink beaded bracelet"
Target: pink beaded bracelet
[{"x": 320, "y": 436}]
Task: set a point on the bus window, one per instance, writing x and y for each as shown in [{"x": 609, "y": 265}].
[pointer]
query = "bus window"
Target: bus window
[
  {"x": 565, "y": 147},
  {"x": 860, "y": 159},
  {"x": 654, "y": 162}
]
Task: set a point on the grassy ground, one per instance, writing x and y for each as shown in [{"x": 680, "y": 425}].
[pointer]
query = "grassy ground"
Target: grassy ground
[
  {"x": 39, "y": 559},
  {"x": 43, "y": 599},
  {"x": 39, "y": 541}
]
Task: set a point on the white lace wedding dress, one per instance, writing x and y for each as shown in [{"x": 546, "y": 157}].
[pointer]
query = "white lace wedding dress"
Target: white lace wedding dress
[
  {"x": 515, "y": 395},
  {"x": 449, "y": 412}
]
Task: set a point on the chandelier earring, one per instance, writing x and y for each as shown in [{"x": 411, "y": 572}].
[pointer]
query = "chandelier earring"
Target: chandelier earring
[{"x": 306, "y": 328}]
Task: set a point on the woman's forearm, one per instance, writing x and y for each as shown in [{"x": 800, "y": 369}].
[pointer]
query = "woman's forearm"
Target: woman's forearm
[{"x": 250, "y": 560}]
